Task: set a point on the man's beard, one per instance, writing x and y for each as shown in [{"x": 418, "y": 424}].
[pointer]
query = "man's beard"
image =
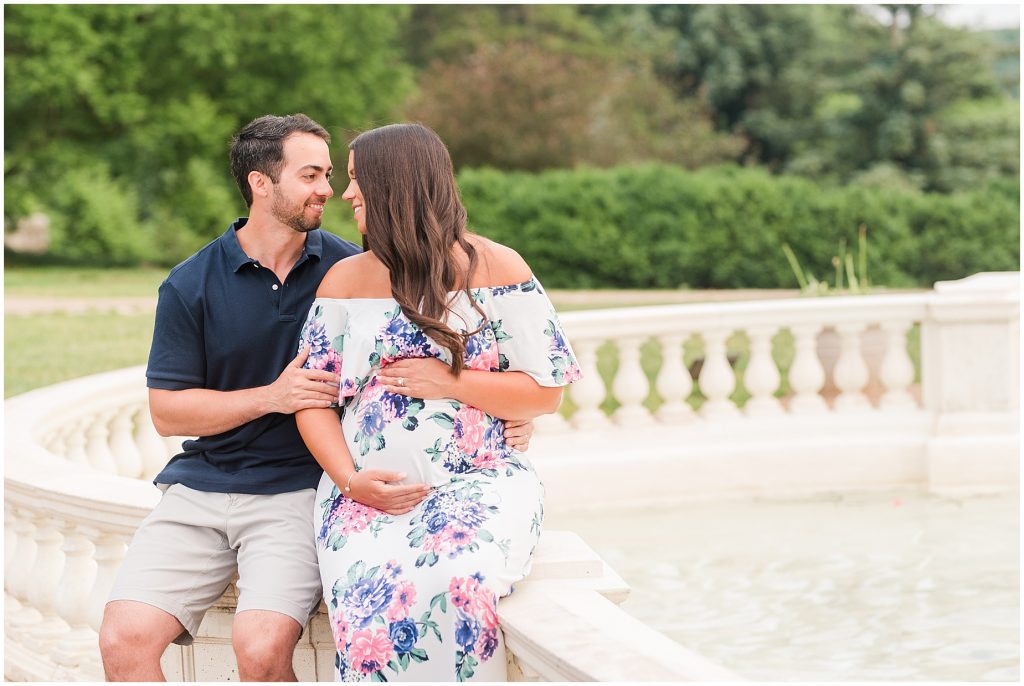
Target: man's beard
[{"x": 291, "y": 216}]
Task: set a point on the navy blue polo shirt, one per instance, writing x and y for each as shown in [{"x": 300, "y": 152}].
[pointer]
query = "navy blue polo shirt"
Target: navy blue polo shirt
[{"x": 225, "y": 323}]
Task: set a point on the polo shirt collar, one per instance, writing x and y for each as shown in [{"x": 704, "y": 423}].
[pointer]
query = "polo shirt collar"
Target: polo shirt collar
[{"x": 237, "y": 258}]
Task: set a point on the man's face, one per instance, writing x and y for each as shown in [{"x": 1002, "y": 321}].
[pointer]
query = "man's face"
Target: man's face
[{"x": 303, "y": 186}]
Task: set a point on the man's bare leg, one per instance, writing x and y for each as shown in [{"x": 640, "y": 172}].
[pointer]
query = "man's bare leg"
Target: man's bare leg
[
  {"x": 133, "y": 637},
  {"x": 264, "y": 644}
]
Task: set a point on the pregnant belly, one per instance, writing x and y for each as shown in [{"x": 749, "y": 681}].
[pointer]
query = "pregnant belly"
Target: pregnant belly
[{"x": 428, "y": 440}]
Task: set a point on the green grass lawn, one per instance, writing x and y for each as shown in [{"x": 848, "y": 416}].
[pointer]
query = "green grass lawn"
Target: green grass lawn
[
  {"x": 82, "y": 282},
  {"x": 44, "y": 349},
  {"x": 40, "y": 350}
]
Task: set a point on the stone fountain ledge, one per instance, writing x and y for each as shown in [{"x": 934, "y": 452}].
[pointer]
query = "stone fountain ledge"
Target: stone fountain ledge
[
  {"x": 71, "y": 508},
  {"x": 79, "y": 456}
]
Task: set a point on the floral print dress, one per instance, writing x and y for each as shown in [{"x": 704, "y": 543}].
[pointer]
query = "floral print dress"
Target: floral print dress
[{"x": 414, "y": 597}]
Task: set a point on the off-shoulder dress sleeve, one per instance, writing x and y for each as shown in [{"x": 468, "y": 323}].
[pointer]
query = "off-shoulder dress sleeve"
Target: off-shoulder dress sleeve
[
  {"x": 325, "y": 331},
  {"x": 529, "y": 335}
]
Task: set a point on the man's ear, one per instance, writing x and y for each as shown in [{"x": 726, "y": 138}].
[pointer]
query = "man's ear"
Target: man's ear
[{"x": 259, "y": 184}]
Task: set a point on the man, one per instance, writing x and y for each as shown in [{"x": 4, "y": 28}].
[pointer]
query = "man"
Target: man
[{"x": 240, "y": 497}]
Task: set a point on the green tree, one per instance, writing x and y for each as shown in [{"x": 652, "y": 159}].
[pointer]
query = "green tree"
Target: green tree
[
  {"x": 535, "y": 87},
  {"x": 155, "y": 92},
  {"x": 833, "y": 93}
]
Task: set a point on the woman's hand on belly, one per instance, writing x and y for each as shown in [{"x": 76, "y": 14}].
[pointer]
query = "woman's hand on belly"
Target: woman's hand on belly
[
  {"x": 418, "y": 377},
  {"x": 379, "y": 489}
]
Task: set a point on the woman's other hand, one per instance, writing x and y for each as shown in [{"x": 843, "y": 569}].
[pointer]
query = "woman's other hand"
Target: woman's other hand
[
  {"x": 518, "y": 433},
  {"x": 418, "y": 377}
]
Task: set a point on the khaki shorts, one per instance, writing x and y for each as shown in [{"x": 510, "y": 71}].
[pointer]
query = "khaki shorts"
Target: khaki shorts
[{"x": 188, "y": 549}]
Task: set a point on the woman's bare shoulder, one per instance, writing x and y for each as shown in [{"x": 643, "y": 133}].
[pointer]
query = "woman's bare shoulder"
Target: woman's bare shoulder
[
  {"x": 499, "y": 265},
  {"x": 346, "y": 276}
]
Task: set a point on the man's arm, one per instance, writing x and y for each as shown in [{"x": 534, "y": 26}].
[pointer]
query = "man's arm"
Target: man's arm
[{"x": 205, "y": 412}]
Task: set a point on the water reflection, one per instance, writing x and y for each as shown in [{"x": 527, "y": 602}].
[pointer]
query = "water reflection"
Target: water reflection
[{"x": 860, "y": 587}]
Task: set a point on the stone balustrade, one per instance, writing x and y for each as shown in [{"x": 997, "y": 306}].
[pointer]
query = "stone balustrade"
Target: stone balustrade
[
  {"x": 77, "y": 453},
  {"x": 80, "y": 455},
  {"x": 844, "y": 413}
]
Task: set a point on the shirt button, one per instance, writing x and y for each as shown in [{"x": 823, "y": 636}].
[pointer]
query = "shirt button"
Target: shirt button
[{"x": 274, "y": 286}]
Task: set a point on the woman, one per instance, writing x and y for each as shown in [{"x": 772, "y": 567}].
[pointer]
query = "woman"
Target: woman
[{"x": 412, "y": 593}]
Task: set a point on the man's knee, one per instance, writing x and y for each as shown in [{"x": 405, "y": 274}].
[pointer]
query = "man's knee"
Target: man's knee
[
  {"x": 133, "y": 632},
  {"x": 264, "y": 649}
]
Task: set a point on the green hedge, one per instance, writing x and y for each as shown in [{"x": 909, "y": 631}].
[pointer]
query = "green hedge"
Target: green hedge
[
  {"x": 653, "y": 226},
  {"x": 661, "y": 226}
]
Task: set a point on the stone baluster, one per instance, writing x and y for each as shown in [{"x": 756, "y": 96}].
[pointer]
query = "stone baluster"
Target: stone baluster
[
  {"x": 109, "y": 553},
  {"x": 12, "y": 605},
  {"x": 150, "y": 444},
  {"x": 46, "y": 575},
  {"x": 55, "y": 442},
  {"x": 589, "y": 392},
  {"x": 172, "y": 446},
  {"x": 630, "y": 385},
  {"x": 673, "y": 382},
  {"x": 553, "y": 423},
  {"x": 97, "y": 444},
  {"x": 73, "y": 595},
  {"x": 18, "y": 582},
  {"x": 762, "y": 377},
  {"x": 806, "y": 376},
  {"x": 851, "y": 373},
  {"x": 717, "y": 379},
  {"x": 122, "y": 443},
  {"x": 74, "y": 439},
  {"x": 897, "y": 370},
  {"x": 10, "y": 538}
]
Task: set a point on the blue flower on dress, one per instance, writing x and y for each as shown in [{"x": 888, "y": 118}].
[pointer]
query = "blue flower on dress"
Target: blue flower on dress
[
  {"x": 488, "y": 643},
  {"x": 316, "y": 337},
  {"x": 470, "y": 513},
  {"x": 502, "y": 290},
  {"x": 436, "y": 521},
  {"x": 467, "y": 630},
  {"x": 372, "y": 420},
  {"x": 365, "y": 599},
  {"x": 403, "y": 635},
  {"x": 395, "y": 405},
  {"x": 475, "y": 345}
]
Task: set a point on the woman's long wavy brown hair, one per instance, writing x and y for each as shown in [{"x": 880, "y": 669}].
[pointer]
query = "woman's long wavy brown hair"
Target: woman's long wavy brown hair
[{"x": 414, "y": 217}]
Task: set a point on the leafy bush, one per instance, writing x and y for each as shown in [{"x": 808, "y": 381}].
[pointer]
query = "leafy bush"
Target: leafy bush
[
  {"x": 95, "y": 219},
  {"x": 660, "y": 226}
]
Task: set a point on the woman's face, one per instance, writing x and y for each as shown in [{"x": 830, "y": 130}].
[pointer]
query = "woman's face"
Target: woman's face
[{"x": 354, "y": 195}]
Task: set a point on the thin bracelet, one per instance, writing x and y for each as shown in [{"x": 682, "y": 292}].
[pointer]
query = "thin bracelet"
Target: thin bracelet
[{"x": 348, "y": 484}]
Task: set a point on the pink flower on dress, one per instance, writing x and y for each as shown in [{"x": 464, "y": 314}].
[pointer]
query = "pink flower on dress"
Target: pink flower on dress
[
  {"x": 487, "y": 459},
  {"x": 329, "y": 361},
  {"x": 339, "y": 627},
  {"x": 486, "y": 359},
  {"x": 470, "y": 424},
  {"x": 353, "y": 517},
  {"x": 432, "y": 542},
  {"x": 455, "y": 537},
  {"x": 402, "y": 601},
  {"x": 460, "y": 595},
  {"x": 370, "y": 650},
  {"x": 374, "y": 391},
  {"x": 485, "y": 607}
]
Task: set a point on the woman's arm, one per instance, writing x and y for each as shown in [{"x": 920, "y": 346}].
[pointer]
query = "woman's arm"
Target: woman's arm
[
  {"x": 506, "y": 395},
  {"x": 322, "y": 433}
]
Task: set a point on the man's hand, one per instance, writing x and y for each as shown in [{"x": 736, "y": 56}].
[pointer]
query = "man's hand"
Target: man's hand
[
  {"x": 302, "y": 389},
  {"x": 373, "y": 487},
  {"x": 418, "y": 377},
  {"x": 518, "y": 433}
]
